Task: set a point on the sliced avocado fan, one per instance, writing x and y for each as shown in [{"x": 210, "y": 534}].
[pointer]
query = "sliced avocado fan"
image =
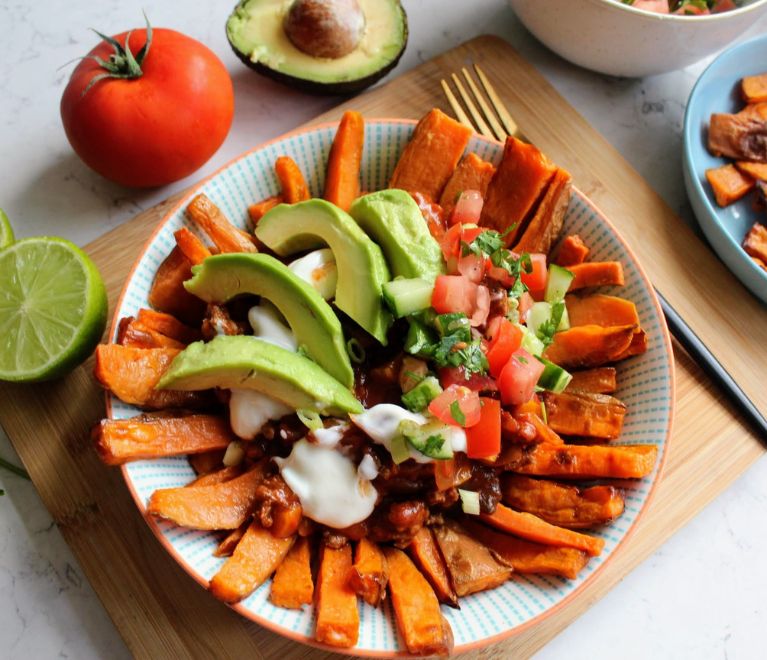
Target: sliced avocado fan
[
  {"x": 394, "y": 221},
  {"x": 222, "y": 277},
  {"x": 362, "y": 269},
  {"x": 245, "y": 362}
]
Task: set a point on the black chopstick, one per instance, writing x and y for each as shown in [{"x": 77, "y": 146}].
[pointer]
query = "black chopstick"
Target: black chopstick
[{"x": 713, "y": 368}]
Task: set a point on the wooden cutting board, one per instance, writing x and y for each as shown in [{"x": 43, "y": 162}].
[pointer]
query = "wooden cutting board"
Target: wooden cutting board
[{"x": 162, "y": 613}]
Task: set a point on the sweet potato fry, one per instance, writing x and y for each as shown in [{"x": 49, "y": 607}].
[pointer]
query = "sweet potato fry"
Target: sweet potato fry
[
  {"x": 601, "y": 380},
  {"x": 292, "y": 585},
  {"x": 138, "y": 335},
  {"x": 471, "y": 565},
  {"x": 545, "y": 225},
  {"x": 369, "y": 574},
  {"x": 589, "y": 345},
  {"x": 168, "y": 325},
  {"x": 227, "y": 546},
  {"x": 585, "y": 414},
  {"x": 430, "y": 157},
  {"x": 581, "y": 461},
  {"x": 342, "y": 180},
  {"x": 757, "y": 171},
  {"x": 740, "y": 137},
  {"x": 425, "y": 553},
  {"x": 729, "y": 183},
  {"x": 221, "y": 506},
  {"x": 596, "y": 273},
  {"x": 516, "y": 186},
  {"x": 131, "y": 374},
  {"x": 286, "y": 519},
  {"x": 145, "y": 436},
  {"x": 571, "y": 251},
  {"x": 754, "y": 111},
  {"x": 754, "y": 88},
  {"x": 260, "y": 209},
  {"x": 338, "y": 620},
  {"x": 292, "y": 182},
  {"x": 168, "y": 293},
  {"x": 755, "y": 242},
  {"x": 526, "y": 557},
  {"x": 544, "y": 433},
  {"x": 208, "y": 461},
  {"x": 638, "y": 345},
  {"x": 225, "y": 236},
  {"x": 600, "y": 309},
  {"x": 256, "y": 557},
  {"x": 472, "y": 173},
  {"x": 416, "y": 608},
  {"x": 532, "y": 528},
  {"x": 216, "y": 477},
  {"x": 191, "y": 247},
  {"x": 561, "y": 504}
]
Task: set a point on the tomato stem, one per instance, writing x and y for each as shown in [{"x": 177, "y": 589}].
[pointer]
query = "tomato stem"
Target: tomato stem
[{"x": 121, "y": 63}]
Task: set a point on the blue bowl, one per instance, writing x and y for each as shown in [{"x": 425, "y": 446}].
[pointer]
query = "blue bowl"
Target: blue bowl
[{"x": 718, "y": 90}]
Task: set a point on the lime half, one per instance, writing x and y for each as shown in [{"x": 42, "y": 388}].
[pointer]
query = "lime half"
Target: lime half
[
  {"x": 6, "y": 232},
  {"x": 53, "y": 308}
]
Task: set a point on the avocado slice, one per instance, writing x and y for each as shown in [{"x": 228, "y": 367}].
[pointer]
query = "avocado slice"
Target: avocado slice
[
  {"x": 362, "y": 270},
  {"x": 255, "y": 30},
  {"x": 241, "y": 361},
  {"x": 222, "y": 277},
  {"x": 394, "y": 221}
]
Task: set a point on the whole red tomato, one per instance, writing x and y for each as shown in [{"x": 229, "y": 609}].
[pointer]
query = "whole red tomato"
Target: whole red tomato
[{"x": 148, "y": 117}]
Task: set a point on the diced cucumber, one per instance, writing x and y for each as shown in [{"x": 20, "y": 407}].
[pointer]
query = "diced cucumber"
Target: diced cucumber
[
  {"x": 541, "y": 313},
  {"x": 453, "y": 324},
  {"x": 512, "y": 309},
  {"x": 469, "y": 501},
  {"x": 564, "y": 322},
  {"x": 422, "y": 394},
  {"x": 431, "y": 439},
  {"x": 554, "y": 378},
  {"x": 557, "y": 284},
  {"x": 530, "y": 342},
  {"x": 418, "y": 337},
  {"x": 400, "y": 450},
  {"x": 407, "y": 296}
]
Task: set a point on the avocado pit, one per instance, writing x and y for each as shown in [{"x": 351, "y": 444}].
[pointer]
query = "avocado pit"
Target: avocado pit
[{"x": 325, "y": 28}]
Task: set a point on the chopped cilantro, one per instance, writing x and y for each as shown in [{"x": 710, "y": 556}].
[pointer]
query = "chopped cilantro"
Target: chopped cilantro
[
  {"x": 457, "y": 414},
  {"x": 522, "y": 359},
  {"x": 546, "y": 330},
  {"x": 433, "y": 445},
  {"x": 456, "y": 324}
]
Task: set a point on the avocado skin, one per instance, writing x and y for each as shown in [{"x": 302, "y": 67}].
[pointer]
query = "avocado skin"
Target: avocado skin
[
  {"x": 394, "y": 221},
  {"x": 241, "y": 361},
  {"x": 341, "y": 88},
  {"x": 223, "y": 276},
  {"x": 362, "y": 269}
]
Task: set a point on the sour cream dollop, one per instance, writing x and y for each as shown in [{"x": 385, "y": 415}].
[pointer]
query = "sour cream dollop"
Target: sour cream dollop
[
  {"x": 381, "y": 424},
  {"x": 328, "y": 485},
  {"x": 319, "y": 269},
  {"x": 268, "y": 326},
  {"x": 250, "y": 410}
]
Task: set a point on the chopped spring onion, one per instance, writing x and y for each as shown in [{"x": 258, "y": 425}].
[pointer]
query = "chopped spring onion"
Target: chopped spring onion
[
  {"x": 400, "y": 451},
  {"x": 310, "y": 419},
  {"x": 355, "y": 351},
  {"x": 469, "y": 501},
  {"x": 234, "y": 454}
]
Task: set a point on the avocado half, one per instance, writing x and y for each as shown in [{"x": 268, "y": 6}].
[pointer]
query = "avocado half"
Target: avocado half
[{"x": 255, "y": 32}]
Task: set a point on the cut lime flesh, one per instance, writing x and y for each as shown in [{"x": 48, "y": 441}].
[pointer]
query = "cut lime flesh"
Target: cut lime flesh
[
  {"x": 53, "y": 308},
  {"x": 6, "y": 231}
]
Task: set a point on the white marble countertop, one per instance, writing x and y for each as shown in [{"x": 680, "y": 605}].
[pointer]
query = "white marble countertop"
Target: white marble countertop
[{"x": 701, "y": 595}]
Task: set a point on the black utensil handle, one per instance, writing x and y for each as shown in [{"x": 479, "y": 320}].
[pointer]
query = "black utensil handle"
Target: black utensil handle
[{"x": 706, "y": 361}]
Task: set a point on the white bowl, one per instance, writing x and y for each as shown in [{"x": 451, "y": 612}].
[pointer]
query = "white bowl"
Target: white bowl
[{"x": 610, "y": 37}]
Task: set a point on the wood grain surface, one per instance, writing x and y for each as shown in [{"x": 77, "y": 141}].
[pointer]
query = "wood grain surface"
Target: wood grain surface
[{"x": 162, "y": 613}]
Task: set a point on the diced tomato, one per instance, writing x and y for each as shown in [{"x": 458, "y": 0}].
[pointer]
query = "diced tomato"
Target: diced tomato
[
  {"x": 498, "y": 274},
  {"x": 467, "y": 402},
  {"x": 525, "y": 303},
  {"x": 506, "y": 340},
  {"x": 432, "y": 213},
  {"x": 493, "y": 326},
  {"x": 723, "y": 5},
  {"x": 451, "y": 242},
  {"x": 482, "y": 308},
  {"x": 518, "y": 377},
  {"x": 473, "y": 267},
  {"x": 468, "y": 234},
  {"x": 657, "y": 6},
  {"x": 444, "y": 473},
  {"x": 483, "y": 440},
  {"x": 457, "y": 376},
  {"x": 468, "y": 208},
  {"x": 454, "y": 293},
  {"x": 537, "y": 279}
]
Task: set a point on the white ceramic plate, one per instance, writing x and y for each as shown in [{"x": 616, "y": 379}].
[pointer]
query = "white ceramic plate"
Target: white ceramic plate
[{"x": 646, "y": 386}]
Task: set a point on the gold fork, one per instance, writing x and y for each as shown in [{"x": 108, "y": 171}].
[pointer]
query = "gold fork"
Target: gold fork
[{"x": 501, "y": 124}]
